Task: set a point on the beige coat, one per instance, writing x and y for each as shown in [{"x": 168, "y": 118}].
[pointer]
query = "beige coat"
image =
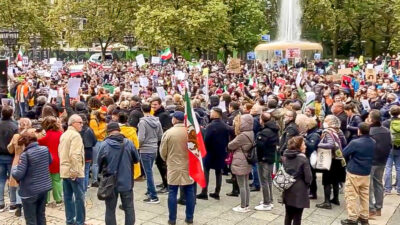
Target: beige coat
[
  {"x": 72, "y": 154},
  {"x": 174, "y": 151}
]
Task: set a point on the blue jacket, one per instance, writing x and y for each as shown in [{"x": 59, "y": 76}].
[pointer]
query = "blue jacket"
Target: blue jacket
[
  {"x": 359, "y": 154},
  {"x": 32, "y": 171},
  {"x": 109, "y": 153}
]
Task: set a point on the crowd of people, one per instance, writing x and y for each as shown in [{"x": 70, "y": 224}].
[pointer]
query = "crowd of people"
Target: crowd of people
[{"x": 127, "y": 117}]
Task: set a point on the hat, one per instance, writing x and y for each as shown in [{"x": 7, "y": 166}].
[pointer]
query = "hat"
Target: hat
[
  {"x": 179, "y": 115},
  {"x": 112, "y": 127}
]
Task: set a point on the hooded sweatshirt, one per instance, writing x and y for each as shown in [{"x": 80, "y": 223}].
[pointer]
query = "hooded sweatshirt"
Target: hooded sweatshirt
[{"x": 150, "y": 133}]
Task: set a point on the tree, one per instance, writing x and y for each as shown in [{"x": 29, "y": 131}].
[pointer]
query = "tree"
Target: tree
[{"x": 96, "y": 20}]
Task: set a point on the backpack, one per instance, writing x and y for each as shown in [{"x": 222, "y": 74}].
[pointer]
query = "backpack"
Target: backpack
[
  {"x": 395, "y": 131},
  {"x": 251, "y": 156}
]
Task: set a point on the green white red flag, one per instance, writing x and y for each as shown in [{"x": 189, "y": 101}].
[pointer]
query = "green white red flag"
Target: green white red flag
[
  {"x": 196, "y": 147},
  {"x": 166, "y": 54}
]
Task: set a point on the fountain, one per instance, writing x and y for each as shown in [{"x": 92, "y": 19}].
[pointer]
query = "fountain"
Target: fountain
[{"x": 288, "y": 34}]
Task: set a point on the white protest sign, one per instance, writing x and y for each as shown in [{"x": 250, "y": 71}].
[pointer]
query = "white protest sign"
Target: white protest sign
[
  {"x": 276, "y": 90},
  {"x": 140, "y": 60},
  {"x": 25, "y": 60},
  {"x": 298, "y": 78},
  {"x": 365, "y": 105},
  {"x": 135, "y": 89},
  {"x": 161, "y": 93},
  {"x": 10, "y": 71},
  {"x": 179, "y": 74},
  {"x": 52, "y": 94},
  {"x": 370, "y": 66},
  {"x": 144, "y": 82},
  {"x": 155, "y": 60},
  {"x": 52, "y": 61},
  {"x": 73, "y": 87},
  {"x": 8, "y": 102},
  {"x": 222, "y": 106}
]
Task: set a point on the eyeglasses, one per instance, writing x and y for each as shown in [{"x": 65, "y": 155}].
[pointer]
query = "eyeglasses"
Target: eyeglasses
[{"x": 79, "y": 122}]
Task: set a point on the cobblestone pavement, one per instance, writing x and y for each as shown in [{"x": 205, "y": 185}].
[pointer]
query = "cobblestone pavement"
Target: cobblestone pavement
[{"x": 212, "y": 211}]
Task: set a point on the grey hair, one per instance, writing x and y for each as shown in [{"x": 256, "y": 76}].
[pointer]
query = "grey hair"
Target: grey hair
[{"x": 73, "y": 118}]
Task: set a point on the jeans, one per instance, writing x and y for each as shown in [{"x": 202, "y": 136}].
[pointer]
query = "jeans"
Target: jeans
[
  {"x": 127, "y": 205},
  {"x": 265, "y": 172},
  {"x": 172, "y": 201},
  {"x": 57, "y": 188},
  {"x": 34, "y": 209},
  {"x": 95, "y": 167},
  {"x": 5, "y": 170},
  {"x": 388, "y": 174},
  {"x": 147, "y": 162},
  {"x": 293, "y": 214},
  {"x": 376, "y": 188},
  {"x": 218, "y": 176},
  {"x": 87, "y": 171},
  {"x": 243, "y": 182},
  {"x": 256, "y": 179},
  {"x": 22, "y": 109},
  {"x": 74, "y": 200}
]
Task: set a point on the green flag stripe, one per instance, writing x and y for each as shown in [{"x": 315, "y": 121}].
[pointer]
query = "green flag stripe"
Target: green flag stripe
[{"x": 188, "y": 108}]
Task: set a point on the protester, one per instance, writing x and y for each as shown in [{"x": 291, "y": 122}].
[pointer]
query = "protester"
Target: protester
[
  {"x": 8, "y": 127},
  {"x": 359, "y": 155},
  {"x": 353, "y": 119},
  {"x": 312, "y": 139},
  {"x": 32, "y": 172},
  {"x": 52, "y": 141},
  {"x": 266, "y": 143},
  {"x": 240, "y": 146},
  {"x": 290, "y": 130},
  {"x": 216, "y": 140},
  {"x": 72, "y": 171},
  {"x": 150, "y": 134},
  {"x": 296, "y": 164},
  {"x": 173, "y": 151},
  {"x": 394, "y": 156},
  {"x": 118, "y": 154}
]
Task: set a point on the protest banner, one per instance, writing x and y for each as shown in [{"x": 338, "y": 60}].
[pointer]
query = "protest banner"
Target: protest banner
[
  {"x": 140, "y": 60},
  {"x": 144, "y": 82},
  {"x": 281, "y": 82},
  {"x": 292, "y": 53},
  {"x": 8, "y": 102},
  {"x": 135, "y": 89},
  {"x": 155, "y": 60},
  {"x": 73, "y": 87},
  {"x": 179, "y": 75},
  {"x": 370, "y": 75},
  {"x": 161, "y": 93},
  {"x": 234, "y": 66}
]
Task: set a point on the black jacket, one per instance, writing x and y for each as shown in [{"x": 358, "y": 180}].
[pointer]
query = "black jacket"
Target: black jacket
[
  {"x": 383, "y": 140},
  {"x": 297, "y": 165},
  {"x": 266, "y": 142},
  {"x": 232, "y": 117},
  {"x": 89, "y": 141},
  {"x": 289, "y": 132},
  {"x": 165, "y": 118},
  {"x": 135, "y": 116},
  {"x": 7, "y": 130},
  {"x": 352, "y": 127},
  {"x": 343, "y": 121},
  {"x": 312, "y": 140}
]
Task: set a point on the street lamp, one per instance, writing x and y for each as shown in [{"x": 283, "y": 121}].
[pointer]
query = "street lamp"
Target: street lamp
[
  {"x": 9, "y": 39},
  {"x": 35, "y": 41}
]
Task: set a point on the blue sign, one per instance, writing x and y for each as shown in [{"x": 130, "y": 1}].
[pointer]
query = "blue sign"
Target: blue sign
[
  {"x": 317, "y": 56},
  {"x": 266, "y": 37},
  {"x": 278, "y": 53},
  {"x": 251, "y": 56}
]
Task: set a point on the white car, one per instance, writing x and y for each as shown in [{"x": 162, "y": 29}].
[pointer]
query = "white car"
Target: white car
[{"x": 97, "y": 57}]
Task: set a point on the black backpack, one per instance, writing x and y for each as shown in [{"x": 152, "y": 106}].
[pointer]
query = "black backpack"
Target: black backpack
[{"x": 251, "y": 156}]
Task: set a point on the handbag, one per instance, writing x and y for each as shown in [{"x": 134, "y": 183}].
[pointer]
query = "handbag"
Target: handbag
[
  {"x": 251, "y": 156},
  {"x": 282, "y": 180},
  {"x": 313, "y": 159},
  {"x": 108, "y": 181},
  {"x": 324, "y": 159},
  {"x": 229, "y": 158}
]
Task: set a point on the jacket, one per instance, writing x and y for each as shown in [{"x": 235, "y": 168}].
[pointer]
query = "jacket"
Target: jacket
[
  {"x": 108, "y": 159},
  {"x": 343, "y": 121},
  {"x": 32, "y": 171},
  {"x": 267, "y": 141},
  {"x": 232, "y": 117},
  {"x": 150, "y": 133},
  {"x": 328, "y": 142},
  {"x": 98, "y": 127},
  {"x": 52, "y": 141},
  {"x": 289, "y": 132},
  {"x": 130, "y": 133},
  {"x": 135, "y": 115},
  {"x": 352, "y": 127},
  {"x": 7, "y": 130},
  {"x": 23, "y": 89},
  {"x": 241, "y": 145},
  {"x": 297, "y": 165},
  {"x": 89, "y": 141},
  {"x": 216, "y": 141},
  {"x": 359, "y": 155},
  {"x": 312, "y": 140},
  {"x": 165, "y": 118},
  {"x": 173, "y": 151},
  {"x": 383, "y": 140},
  {"x": 72, "y": 154}
]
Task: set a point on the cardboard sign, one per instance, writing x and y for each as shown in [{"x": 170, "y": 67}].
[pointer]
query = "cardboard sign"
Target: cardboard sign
[
  {"x": 292, "y": 53},
  {"x": 346, "y": 71},
  {"x": 370, "y": 75},
  {"x": 234, "y": 66}
]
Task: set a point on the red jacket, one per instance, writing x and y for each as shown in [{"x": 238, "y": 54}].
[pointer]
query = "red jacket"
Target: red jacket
[{"x": 51, "y": 141}]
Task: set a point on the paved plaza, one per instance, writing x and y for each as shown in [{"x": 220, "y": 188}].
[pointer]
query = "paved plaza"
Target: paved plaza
[{"x": 213, "y": 212}]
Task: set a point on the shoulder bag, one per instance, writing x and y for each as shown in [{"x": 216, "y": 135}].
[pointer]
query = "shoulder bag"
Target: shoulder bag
[{"x": 251, "y": 156}]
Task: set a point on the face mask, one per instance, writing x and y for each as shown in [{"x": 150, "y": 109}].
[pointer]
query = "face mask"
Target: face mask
[{"x": 325, "y": 125}]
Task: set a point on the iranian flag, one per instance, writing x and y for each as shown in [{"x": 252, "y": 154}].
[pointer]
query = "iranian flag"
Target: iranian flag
[
  {"x": 166, "y": 54},
  {"x": 76, "y": 70},
  {"x": 20, "y": 55},
  {"x": 196, "y": 148}
]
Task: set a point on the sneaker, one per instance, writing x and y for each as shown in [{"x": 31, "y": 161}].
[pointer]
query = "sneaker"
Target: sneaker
[
  {"x": 2, "y": 208},
  {"x": 95, "y": 184},
  {"x": 162, "y": 191},
  {"x": 188, "y": 221},
  {"x": 241, "y": 210},
  {"x": 160, "y": 186},
  {"x": 12, "y": 208},
  {"x": 152, "y": 201},
  {"x": 271, "y": 204},
  {"x": 263, "y": 207}
]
